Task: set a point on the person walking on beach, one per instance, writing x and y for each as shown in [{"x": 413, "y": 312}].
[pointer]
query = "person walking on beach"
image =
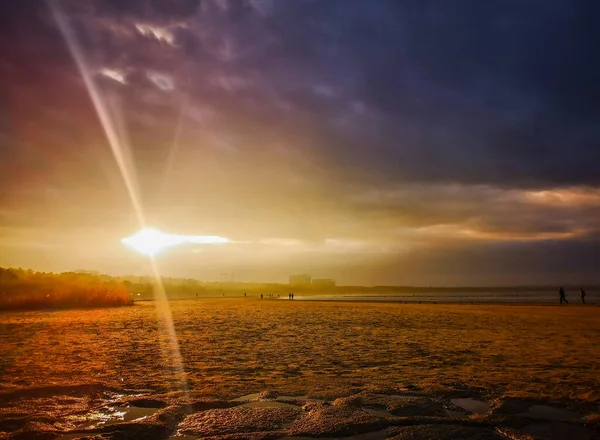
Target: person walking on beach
[
  {"x": 244, "y": 294},
  {"x": 582, "y": 295},
  {"x": 261, "y": 296},
  {"x": 561, "y": 292}
]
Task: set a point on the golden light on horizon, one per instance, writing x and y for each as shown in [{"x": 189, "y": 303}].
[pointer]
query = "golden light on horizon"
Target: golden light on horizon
[{"x": 150, "y": 241}]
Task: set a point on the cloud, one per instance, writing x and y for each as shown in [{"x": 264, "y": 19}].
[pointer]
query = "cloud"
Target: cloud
[
  {"x": 161, "y": 80},
  {"x": 482, "y": 212},
  {"x": 370, "y": 128},
  {"x": 164, "y": 34},
  {"x": 114, "y": 74},
  {"x": 429, "y": 118}
]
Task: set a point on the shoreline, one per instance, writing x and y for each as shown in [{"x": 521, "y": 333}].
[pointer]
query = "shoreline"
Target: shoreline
[
  {"x": 314, "y": 299},
  {"x": 350, "y": 300}
]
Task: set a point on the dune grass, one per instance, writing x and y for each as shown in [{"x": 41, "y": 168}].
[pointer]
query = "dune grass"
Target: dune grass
[{"x": 232, "y": 347}]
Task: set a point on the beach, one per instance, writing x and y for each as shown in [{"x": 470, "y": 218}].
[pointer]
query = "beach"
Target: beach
[{"x": 57, "y": 364}]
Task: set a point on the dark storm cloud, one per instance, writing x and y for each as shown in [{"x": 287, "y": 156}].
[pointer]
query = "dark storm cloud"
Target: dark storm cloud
[
  {"x": 501, "y": 93},
  {"x": 496, "y": 93},
  {"x": 398, "y": 122}
]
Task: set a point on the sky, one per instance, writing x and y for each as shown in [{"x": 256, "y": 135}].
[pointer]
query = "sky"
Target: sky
[{"x": 373, "y": 142}]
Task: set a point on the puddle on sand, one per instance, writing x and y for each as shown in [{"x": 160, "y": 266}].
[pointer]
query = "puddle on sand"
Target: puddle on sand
[
  {"x": 247, "y": 398},
  {"x": 297, "y": 398},
  {"x": 267, "y": 404},
  {"x": 113, "y": 414},
  {"x": 377, "y": 412},
  {"x": 107, "y": 416},
  {"x": 376, "y": 435},
  {"x": 472, "y": 405},
  {"x": 549, "y": 413}
]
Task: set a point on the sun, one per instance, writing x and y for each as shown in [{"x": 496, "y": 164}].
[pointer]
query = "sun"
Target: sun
[{"x": 151, "y": 242}]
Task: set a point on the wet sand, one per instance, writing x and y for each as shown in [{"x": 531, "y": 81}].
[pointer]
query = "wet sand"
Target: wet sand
[{"x": 336, "y": 370}]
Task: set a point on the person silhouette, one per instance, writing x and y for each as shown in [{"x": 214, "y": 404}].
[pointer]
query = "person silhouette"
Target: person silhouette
[
  {"x": 261, "y": 295},
  {"x": 561, "y": 292},
  {"x": 582, "y": 295}
]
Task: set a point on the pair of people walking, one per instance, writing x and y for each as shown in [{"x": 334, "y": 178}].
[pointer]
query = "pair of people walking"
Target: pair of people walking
[{"x": 563, "y": 297}]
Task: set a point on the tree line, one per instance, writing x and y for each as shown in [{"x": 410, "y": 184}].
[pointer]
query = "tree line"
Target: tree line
[{"x": 28, "y": 289}]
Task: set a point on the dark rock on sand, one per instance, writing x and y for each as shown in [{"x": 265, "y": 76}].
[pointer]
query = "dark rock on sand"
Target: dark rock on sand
[
  {"x": 373, "y": 435},
  {"x": 404, "y": 406},
  {"x": 11, "y": 424},
  {"x": 35, "y": 431},
  {"x": 135, "y": 430},
  {"x": 272, "y": 435},
  {"x": 147, "y": 403},
  {"x": 559, "y": 431},
  {"x": 415, "y": 406},
  {"x": 309, "y": 406},
  {"x": 237, "y": 421},
  {"x": 268, "y": 394},
  {"x": 336, "y": 420},
  {"x": 442, "y": 432},
  {"x": 348, "y": 402},
  {"x": 203, "y": 405},
  {"x": 92, "y": 437},
  {"x": 169, "y": 417}
]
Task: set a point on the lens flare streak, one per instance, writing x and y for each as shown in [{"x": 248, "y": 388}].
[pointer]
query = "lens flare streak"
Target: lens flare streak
[{"x": 170, "y": 349}]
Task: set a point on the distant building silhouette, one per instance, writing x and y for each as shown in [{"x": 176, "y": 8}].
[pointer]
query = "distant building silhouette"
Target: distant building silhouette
[
  {"x": 300, "y": 280},
  {"x": 323, "y": 282}
]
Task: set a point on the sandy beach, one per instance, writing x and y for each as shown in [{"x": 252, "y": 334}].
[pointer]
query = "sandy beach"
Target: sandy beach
[{"x": 63, "y": 369}]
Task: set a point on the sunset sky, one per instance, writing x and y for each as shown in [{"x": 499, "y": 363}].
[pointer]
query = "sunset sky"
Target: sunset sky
[{"x": 370, "y": 141}]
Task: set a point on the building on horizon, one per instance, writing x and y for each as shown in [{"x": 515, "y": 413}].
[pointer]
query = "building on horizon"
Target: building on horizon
[
  {"x": 300, "y": 280},
  {"x": 323, "y": 282}
]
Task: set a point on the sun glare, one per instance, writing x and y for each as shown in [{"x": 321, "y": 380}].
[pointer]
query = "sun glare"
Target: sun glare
[{"x": 150, "y": 242}]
